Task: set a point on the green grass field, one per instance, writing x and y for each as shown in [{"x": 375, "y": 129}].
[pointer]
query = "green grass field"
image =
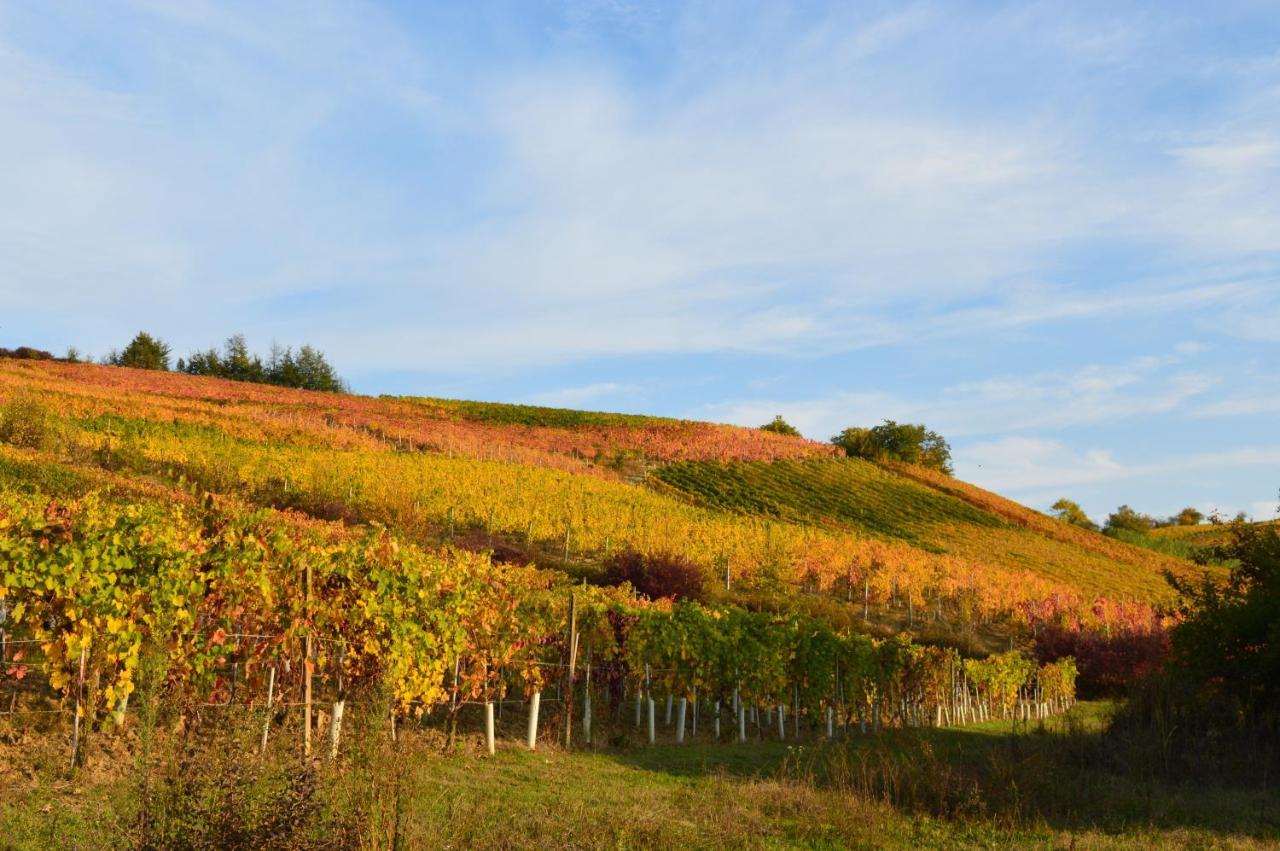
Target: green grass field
[
  {"x": 503, "y": 413},
  {"x": 982, "y": 787}
]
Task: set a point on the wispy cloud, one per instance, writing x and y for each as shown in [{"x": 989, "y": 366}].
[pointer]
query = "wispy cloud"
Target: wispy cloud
[{"x": 587, "y": 393}]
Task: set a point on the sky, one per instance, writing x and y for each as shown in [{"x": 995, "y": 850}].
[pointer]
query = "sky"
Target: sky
[{"x": 1049, "y": 231}]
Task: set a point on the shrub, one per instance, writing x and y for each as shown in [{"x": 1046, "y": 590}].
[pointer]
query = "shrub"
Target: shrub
[
  {"x": 780, "y": 426},
  {"x": 25, "y": 353},
  {"x": 1126, "y": 519},
  {"x": 657, "y": 575},
  {"x": 1111, "y": 662},
  {"x": 24, "y": 422}
]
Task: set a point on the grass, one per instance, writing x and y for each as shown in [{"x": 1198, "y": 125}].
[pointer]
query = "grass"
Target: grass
[
  {"x": 985, "y": 786},
  {"x": 936, "y": 514},
  {"x": 848, "y": 491},
  {"x": 534, "y": 415}
]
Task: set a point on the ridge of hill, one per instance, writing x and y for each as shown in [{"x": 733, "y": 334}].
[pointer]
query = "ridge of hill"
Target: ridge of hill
[{"x": 567, "y": 488}]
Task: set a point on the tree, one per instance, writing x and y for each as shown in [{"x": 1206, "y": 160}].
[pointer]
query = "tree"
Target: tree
[
  {"x": 143, "y": 352},
  {"x": 1228, "y": 639},
  {"x": 780, "y": 426},
  {"x": 1071, "y": 512},
  {"x": 314, "y": 372},
  {"x": 1126, "y": 519},
  {"x": 237, "y": 362},
  {"x": 910, "y": 443},
  {"x": 1187, "y": 517},
  {"x": 308, "y": 369}
]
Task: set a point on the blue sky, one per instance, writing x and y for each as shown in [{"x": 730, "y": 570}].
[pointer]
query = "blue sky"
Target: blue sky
[{"x": 1050, "y": 231}]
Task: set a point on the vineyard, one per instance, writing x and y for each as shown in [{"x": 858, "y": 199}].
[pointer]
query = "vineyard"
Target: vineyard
[
  {"x": 255, "y": 606},
  {"x": 282, "y": 549}
]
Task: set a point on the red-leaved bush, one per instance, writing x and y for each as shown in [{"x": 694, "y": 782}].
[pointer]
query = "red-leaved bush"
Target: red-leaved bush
[
  {"x": 1110, "y": 661},
  {"x": 656, "y": 575}
]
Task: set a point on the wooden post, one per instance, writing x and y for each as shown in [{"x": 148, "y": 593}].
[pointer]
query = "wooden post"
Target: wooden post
[
  {"x": 307, "y": 665},
  {"x": 335, "y": 727},
  {"x": 488, "y": 726},
  {"x": 572, "y": 646},
  {"x": 266, "y": 722},
  {"x": 75, "y": 733},
  {"x": 586, "y": 707},
  {"x": 566, "y": 544},
  {"x": 339, "y": 705},
  {"x": 532, "y": 737}
]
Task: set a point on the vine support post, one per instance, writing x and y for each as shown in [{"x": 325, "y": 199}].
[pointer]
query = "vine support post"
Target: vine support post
[
  {"x": 531, "y": 738},
  {"x": 586, "y": 701},
  {"x": 571, "y": 646},
  {"x": 307, "y": 664},
  {"x": 488, "y": 726},
  {"x": 680, "y": 716},
  {"x": 75, "y": 732},
  {"x": 266, "y": 721},
  {"x": 648, "y": 699},
  {"x": 339, "y": 706},
  {"x": 717, "y": 721}
]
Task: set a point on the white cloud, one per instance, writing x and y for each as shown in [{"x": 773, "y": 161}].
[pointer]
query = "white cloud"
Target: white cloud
[
  {"x": 1232, "y": 156},
  {"x": 1265, "y": 510},
  {"x": 1024, "y": 463},
  {"x": 571, "y": 396},
  {"x": 785, "y": 186},
  {"x": 1052, "y": 401}
]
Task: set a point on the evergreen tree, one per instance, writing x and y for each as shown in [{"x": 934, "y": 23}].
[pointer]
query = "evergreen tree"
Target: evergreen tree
[{"x": 143, "y": 352}]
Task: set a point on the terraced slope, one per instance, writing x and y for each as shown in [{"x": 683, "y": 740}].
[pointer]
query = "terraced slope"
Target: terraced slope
[
  {"x": 930, "y": 511},
  {"x": 562, "y": 486}
]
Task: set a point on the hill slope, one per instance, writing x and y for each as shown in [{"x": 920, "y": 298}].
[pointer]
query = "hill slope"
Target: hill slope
[{"x": 567, "y": 488}]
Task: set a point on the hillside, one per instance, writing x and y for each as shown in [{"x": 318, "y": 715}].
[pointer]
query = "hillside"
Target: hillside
[{"x": 566, "y": 488}]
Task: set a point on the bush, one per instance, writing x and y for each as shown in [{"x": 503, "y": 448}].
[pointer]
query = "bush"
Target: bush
[
  {"x": 1109, "y": 663},
  {"x": 658, "y": 575},
  {"x": 24, "y": 422},
  {"x": 1126, "y": 519},
  {"x": 780, "y": 426},
  {"x": 1228, "y": 641},
  {"x": 26, "y": 353}
]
